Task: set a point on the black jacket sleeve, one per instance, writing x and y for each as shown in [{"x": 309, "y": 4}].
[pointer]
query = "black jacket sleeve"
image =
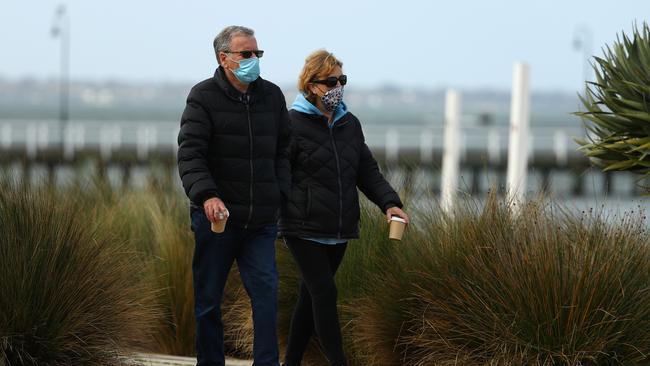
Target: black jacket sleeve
[
  {"x": 371, "y": 182},
  {"x": 282, "y": 160},
  {"x": 193, "y": 141}
]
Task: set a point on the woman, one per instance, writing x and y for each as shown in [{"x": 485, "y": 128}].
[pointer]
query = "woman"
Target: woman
[{"x": 329, "y": 161}]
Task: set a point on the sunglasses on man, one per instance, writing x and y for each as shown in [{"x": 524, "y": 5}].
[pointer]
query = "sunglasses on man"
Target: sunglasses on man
[
  {"x": 248, "y": 54},
  {"x": 332, "y": 80}
]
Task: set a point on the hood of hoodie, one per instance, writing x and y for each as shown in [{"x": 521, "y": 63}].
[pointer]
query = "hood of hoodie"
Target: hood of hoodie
[{"x": 301, "y": 104}]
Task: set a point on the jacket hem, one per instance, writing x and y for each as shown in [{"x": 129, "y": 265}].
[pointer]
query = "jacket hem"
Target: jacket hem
[{"x": 283, "y": 232}]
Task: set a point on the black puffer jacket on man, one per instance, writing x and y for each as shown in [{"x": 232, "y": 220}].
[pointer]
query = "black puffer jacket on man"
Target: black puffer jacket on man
[
  {"x": 234, "y": 146},
  {"x": 327, "y": 166}
]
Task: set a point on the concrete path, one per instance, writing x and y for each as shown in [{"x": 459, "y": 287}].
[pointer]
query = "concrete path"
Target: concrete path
[{"x": 147, "y": 359}]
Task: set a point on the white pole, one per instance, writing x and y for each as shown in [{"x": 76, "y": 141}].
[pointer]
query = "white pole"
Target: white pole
[
  {"x": 518, "y": 147},
  {"x": 451, "y": 151}
]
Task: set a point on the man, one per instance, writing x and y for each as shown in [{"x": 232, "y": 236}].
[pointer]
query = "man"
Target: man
[{"x": 233, "y": 161}]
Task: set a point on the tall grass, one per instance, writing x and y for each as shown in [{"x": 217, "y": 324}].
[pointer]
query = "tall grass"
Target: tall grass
[
  {"x": 155, "y": 222},
  {"x": 70, "y": 294},
  {"x": 483, "y": 286},
  {"x": 486, "y": 287},
  {"x": 479, "y": 287},
  {"x": 170, "y": 244},
  {"x": 379, "y": 307}
]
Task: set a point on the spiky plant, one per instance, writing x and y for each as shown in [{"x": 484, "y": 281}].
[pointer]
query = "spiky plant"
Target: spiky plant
[{"x": 617, "y": 106}]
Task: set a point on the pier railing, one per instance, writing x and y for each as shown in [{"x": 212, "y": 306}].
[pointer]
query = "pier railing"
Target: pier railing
[{"x": 127, "y": 144}]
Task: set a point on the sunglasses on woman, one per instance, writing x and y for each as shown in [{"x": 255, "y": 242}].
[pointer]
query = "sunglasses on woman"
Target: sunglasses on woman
[
  {"x": 331, "y": 81},
  {"x": 248, "y": 54}
]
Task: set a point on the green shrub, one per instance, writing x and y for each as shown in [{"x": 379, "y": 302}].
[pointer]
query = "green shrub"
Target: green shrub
[{"x": 70, "y": 294}]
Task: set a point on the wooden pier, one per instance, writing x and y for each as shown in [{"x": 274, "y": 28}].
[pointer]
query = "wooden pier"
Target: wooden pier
[{"x": 161, "y": 163}]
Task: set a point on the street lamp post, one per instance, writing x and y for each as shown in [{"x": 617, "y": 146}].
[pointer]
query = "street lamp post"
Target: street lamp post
[{"x": 61, "y": 30}]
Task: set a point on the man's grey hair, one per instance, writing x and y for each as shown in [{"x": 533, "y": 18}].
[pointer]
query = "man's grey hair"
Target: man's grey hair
[{"x": 222, "y": 40}]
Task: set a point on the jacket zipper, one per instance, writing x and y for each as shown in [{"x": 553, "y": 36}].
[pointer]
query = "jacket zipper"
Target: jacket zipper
[
  {"x": 250, "y": 143},
  {"x": 308, "y": 200},
  {"x": 338, "y": 175}
]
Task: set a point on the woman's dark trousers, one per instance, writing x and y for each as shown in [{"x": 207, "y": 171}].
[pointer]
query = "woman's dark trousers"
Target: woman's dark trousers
[{"x": 316, "y": 310}]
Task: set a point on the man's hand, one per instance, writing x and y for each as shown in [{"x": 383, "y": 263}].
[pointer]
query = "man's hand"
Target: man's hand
[
  {"x": 396, "y": 211},
  {"x": 215, "y": 210}
]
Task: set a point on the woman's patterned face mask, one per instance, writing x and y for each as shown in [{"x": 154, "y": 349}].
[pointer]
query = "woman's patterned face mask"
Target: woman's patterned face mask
[{"x": 332, "y": 99}]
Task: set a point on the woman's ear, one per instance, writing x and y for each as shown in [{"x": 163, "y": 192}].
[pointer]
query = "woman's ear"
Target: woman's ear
[{"x": 313, "y": 89}]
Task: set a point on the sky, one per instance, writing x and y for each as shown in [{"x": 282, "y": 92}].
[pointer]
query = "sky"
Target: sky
[{"x": 407, "y": 43}]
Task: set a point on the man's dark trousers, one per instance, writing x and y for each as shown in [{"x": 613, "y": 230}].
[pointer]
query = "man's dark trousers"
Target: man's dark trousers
[{"x": 254, "y": 250}]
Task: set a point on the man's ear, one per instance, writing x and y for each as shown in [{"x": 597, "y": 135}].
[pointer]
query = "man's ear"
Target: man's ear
[{"x": 222, "y": 58}]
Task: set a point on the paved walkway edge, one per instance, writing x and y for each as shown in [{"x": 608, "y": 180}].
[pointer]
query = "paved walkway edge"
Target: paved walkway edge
[{"x": 149, "y": 359}]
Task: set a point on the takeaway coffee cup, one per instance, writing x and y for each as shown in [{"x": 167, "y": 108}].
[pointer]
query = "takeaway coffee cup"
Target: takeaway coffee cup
[
  {"x": 220, "y": 225},
  {"x": 397, "y": 226}
]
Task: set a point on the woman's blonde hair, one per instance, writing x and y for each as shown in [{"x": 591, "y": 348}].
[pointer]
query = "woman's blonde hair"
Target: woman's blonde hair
[{"x": 318, "y": 65}]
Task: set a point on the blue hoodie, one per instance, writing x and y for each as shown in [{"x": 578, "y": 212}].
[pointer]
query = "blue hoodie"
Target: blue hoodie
[{"x": 301, "y": 104}]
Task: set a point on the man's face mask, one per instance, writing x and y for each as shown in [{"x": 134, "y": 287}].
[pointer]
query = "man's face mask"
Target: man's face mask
[{"x": 248, "y": 70}]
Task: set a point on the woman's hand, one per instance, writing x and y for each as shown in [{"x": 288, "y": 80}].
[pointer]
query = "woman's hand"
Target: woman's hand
[{"x": 396, "y": 211}]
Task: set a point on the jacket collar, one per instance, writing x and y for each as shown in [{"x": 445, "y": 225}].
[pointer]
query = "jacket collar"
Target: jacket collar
[
  {"x": 254, "y": 89},
  {"x": 320, "y": 120},
  {"x": 301, "y": 104}
]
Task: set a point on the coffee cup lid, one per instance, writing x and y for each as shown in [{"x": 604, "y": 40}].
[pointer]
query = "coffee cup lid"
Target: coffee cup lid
[
  {"x": 224, "y": 215},
  {"x": 397, "y": 218}
]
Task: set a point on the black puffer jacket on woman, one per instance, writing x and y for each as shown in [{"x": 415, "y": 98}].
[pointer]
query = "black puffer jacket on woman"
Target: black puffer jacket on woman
[{"x": 327, "y": 167}]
